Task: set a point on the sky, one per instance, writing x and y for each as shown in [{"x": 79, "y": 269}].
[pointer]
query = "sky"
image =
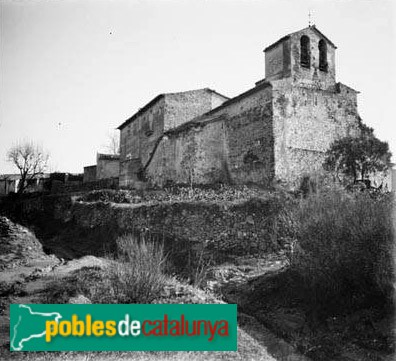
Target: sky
[{"x": 71, "y": 71}]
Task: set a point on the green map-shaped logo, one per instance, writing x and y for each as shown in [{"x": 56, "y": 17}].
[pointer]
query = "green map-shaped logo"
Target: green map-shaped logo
[{"x": 29, "y": 325}]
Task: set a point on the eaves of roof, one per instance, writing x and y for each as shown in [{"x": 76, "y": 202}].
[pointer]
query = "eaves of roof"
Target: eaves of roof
[{"x": 141, "y": 111}]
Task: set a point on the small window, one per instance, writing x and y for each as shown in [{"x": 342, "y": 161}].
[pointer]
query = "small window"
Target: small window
[
  {"x": 147, "y": 126},
  {"x": 305, "y": 59},
  {"x": 322, "y": 55}
]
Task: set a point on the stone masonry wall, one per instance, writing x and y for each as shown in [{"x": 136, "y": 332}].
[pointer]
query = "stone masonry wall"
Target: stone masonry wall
[
  {"x": 236, "y": 147},
  {"x": 193, "y": 156},
  {"x": 249, "y": 137},
  {"x": 218, "y": 229},
  {"x": 138, "y": 139},
  {"x": 312, "y": 75},
  {"x": 182, "y": 107},
  {"x": 277, "y": 61},
  {"x": 306, "y": 122},
  {"x": 283, "y": 60},
  {"x": 240, "y": 228},
  {"x": 107, "y": 168},
  {"x": 89, "y": 174}
]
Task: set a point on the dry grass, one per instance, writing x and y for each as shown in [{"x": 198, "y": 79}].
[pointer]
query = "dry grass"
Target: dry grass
[
  {"x": 135, "y": 274},
  {"x": 138, "y": 276}
]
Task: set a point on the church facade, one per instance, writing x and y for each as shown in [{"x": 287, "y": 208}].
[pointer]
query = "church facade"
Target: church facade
[{"x": 277, "y": 131}]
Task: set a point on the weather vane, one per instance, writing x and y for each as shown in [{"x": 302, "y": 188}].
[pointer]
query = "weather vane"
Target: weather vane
[{"x": 309, "y": 18}]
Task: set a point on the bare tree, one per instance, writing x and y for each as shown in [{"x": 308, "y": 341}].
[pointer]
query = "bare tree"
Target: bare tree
[
  {"x": 30, "y": 159},
  {"x": 113, "y": 143}
]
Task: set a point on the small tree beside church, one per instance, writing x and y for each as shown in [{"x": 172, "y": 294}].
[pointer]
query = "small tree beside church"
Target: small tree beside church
[{"x": 358, "y": 157}]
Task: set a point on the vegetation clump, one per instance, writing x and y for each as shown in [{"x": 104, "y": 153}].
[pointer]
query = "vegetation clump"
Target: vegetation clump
[
  {"x": 135, "y": 275},
  {"x": 138, "y": 276},
  {"x": 354, "y": 158},
  {"x": 341, "y": 249},
  {"x": 175, "y": 194}
]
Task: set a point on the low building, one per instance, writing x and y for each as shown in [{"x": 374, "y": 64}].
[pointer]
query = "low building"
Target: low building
[
  {"x": 107, "y": 166},
  {"x": 89, "y": 174},
  {"x": 105, "y": 174},
  {"x": 10, "y": 183}
]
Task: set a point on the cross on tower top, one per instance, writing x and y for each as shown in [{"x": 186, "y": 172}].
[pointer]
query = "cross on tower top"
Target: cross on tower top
[{"x": 309, "y": 18}]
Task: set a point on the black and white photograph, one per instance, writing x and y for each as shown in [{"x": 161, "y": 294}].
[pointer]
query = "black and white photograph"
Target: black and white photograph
[{"x": 197, "y": 180}]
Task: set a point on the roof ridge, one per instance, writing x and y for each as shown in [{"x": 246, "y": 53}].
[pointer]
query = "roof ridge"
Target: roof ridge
[
  {"x": 157, "y": 98},
  {"x": 312, "y": 27}
]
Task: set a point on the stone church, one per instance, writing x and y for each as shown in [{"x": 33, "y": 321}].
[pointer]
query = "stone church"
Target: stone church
[{"x": 278, "y": 130}]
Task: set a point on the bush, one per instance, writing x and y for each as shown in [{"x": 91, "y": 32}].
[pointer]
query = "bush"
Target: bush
[
  {"x": 138, "y": 275},
  {"x": 135, "y": 275},
  {"x": 342, "y": 248}
]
